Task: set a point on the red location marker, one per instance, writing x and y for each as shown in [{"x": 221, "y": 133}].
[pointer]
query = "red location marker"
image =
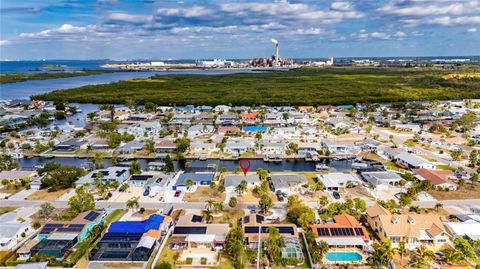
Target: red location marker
[{"x": 245, "y": 165}]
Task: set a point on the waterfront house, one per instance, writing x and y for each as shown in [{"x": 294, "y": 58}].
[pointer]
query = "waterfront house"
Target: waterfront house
[
  {"x": 342, "y": 232},
  {"x": 198, "y": 146},
  {"x": 131, "y": 147},
  {"x": 287, "y": 183},
  {"x": 337, "y": 181},
  {"x": 413, "y": 161},
  {"x": 308, "y": 149},
  {"x": 15, "y": 175},
  {"x": 198, "y": 179},
  {"x": 378, "y": 178},
  {"x": 272, "y": 148},
  {"x": 414, "y": 229},
  {"x": 71, "y": 144},
  {"x": 232, "y": 181},
  {"x": 238, "y": 146},
  {"x": 110, "y": 174},
  {"x": 165, "y": 146}
]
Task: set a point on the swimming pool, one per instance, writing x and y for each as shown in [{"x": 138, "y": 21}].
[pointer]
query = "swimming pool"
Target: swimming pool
[{"x": 343, "y": 256}]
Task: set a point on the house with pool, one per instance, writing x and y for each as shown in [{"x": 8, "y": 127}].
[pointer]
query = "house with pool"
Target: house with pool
[
  {"x": 414, "y": 229},
  {"x": 345, "y": 236},
  {"x": 57, "y": 238},
  {"x": 255, "y": 228}
]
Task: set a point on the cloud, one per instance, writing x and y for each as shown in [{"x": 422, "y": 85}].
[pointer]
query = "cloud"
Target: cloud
[
  {"x": 343, "y": 6},
  {"x": 430, "y": 12},
  {"x": 363, "y": 34},
  {"x": 4, "y": 42},
  {"x": 128, "y": 18},
  {"x": 472, "y": 30},
  {"x": 399, "y": 35},
  {"x": 65, "y": 29}
]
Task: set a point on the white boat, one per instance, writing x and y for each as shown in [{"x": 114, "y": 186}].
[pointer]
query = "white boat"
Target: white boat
[
  {"x": 321, "y": 167},
  {"x": 16, "y": 155}
]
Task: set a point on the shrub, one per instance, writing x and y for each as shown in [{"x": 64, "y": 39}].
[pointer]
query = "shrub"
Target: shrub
[
  {"x": 189, "y": 261},
  {"x": 203, "y": 260}
]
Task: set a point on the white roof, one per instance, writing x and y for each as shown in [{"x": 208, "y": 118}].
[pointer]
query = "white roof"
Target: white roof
[
  {"x": 201, "y": 237},
  {"x": 469, "y": 229},
  {"x": 146, "y": 241},
  {"x": 63, "y": 236},
  {"x": 342, "y": 241},
  {"x": 335, "y": 180}
]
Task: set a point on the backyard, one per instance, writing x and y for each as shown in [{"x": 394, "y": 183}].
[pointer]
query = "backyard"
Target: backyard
[
  {"x": 203, "y": 194},
  {"x": 45, "y": 195},
  {"x": 467, "y": 191}
]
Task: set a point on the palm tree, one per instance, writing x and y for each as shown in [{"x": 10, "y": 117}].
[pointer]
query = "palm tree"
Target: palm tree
[
  {"x": 452, "y": 256},
  {"x": 207, "y": 214},
  {"x": 402, "y": 250},
  {"x": 274, "y": 243},
  {"x": 189, "y": 183},
  {"x": 133, "y": 203},
  {"x": 438, "y": 206},
  {"x": 241, "y": 188},
  {"x": 423, "y": 256},
  {"x": 319, "y": 250},
  {"x": 217, "y": 207}
]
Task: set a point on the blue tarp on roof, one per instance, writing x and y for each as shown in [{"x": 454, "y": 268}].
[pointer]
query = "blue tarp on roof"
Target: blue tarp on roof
[{"x": 153, "y": 222}]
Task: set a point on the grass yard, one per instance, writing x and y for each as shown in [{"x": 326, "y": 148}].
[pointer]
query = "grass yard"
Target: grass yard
[
  {"x": 168, "y": 255},
  {"x": 6, "y": 209},
  {"x": 371, "y": 156},
  {"x": 230, "y": 216},
  {"x": 46, "y": 195},
  {"x": 466, "y": 191},
  {"x": 394, "y": 167},
  {"x": 115, "y": 215},
  {"x": 446, "y": 167},
  {"x": 203, "y": 194}
]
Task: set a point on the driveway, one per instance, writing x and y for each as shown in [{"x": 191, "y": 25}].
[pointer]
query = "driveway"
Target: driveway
[{"x": 21, "y": 195}]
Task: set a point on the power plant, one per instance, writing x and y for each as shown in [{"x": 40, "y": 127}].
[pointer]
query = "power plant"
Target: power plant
[{"x": 276, "y": 51}]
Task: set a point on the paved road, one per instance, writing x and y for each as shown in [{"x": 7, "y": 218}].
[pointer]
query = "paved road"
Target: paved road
[{"x": 201, "y": 205}]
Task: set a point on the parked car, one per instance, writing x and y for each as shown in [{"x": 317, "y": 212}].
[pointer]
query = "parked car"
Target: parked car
[
  {"x": 336, "y": 195},
  {"x": 177, "y": 193}
]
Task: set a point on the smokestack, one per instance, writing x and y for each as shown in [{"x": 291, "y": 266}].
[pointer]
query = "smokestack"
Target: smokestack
[{"x": 276, "y": 51}]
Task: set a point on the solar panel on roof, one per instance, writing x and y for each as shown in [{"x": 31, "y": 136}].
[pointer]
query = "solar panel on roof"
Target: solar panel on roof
[
  {"x": 254, "y": 229},
  {"x": 246, "y": 219},
  {"x": 334, "y": 231},
  {"x": 115, "y": 255},
  {"x": 286, "y": 230},
  {"x": 92, "y": 216},
  {"x": 359, "y": 231},
  {"x": 260, "y": 219},
  {"x": 189, "y": 230},
  {"x": 323, "y": 232},
  {"x": 197, "y": 218}
]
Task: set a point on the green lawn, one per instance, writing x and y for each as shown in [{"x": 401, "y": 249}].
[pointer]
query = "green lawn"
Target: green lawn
[
  {"x": 446, "y": 167},
  {"x": 115, "y": 215},
  {"x": 333, "y": 85}
]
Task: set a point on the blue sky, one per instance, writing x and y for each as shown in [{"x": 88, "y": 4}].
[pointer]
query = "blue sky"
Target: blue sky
[{"x": 162, "y": 29}]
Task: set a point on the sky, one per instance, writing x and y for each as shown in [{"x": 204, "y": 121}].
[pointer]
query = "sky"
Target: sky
[{"x": 166, "y": 29}]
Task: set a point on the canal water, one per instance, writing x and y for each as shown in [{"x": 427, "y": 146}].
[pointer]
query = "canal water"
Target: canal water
[{"x": 231, "y": 165}]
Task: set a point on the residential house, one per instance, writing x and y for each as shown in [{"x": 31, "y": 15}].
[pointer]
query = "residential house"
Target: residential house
[
  {"x": 110, "y": 174},
  {"x": 377, "y": 178},
  {"x": 131, "y": 147},
  {"x": 71, "y": 144},
  {"x": 287, "y": 183},
  {"x": 165, "y": 146},
  {"x": 440, "y": 179},
  {"x": 337, "y": 181},
  {"x": 308, "y": 149},
  {"x": 198, "y": 179},
  {"x": 198, "y": 146},
  {"x": 14, "y": 175},
  {"x": 57, "y": 238},
  {"x": 272, "y": 148},
  {"x": 466, "y": 226},
  {"x": 143, "y": 130},
  {"x": 255, "y": 229},
  {"x": 132, "y": 240},
  {"x": 238, "y": 146},
  {"x": 413, "y": 161},
  {"x": 228, "y": 130},
  {"x": 232, "y": 181},
  {"x": 343, "y": 232},
  {"x": 15, "y": 226},
  {"x": 414, "y": 229},
  {"x": 200, "y": 129}
]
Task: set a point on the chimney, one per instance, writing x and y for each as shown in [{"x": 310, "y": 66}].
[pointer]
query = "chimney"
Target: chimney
[{"x": 276, "y": 54}]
